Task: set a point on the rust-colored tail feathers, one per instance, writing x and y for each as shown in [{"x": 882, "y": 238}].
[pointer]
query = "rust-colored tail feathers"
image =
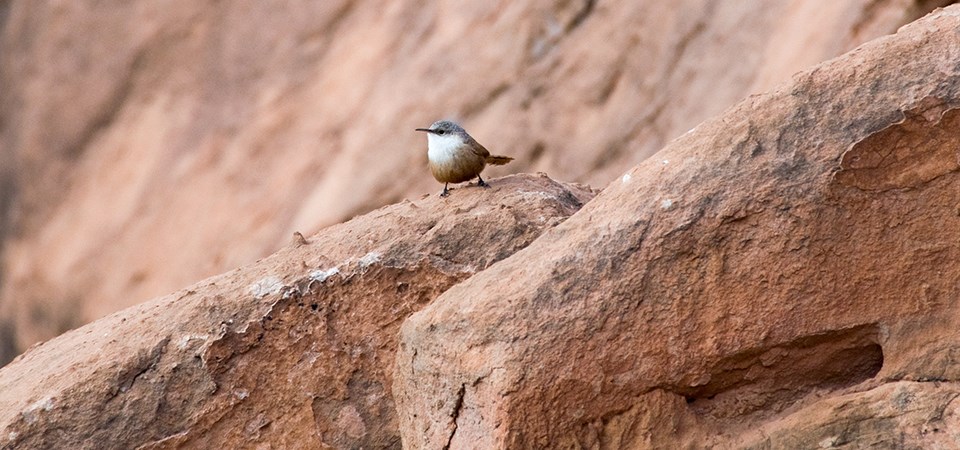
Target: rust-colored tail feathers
[{"x": 498, "y": 160}]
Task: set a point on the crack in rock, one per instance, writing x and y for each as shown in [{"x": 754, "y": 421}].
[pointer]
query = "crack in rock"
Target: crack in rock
[{"x": 457, "y": 407}]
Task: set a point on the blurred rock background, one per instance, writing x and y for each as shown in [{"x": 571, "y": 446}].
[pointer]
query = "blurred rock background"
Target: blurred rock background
[{"x": 147, "y": 145}]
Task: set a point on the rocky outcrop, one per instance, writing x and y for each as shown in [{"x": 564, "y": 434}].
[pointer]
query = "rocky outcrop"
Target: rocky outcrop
[
  {"x": 295, "y": 351},
  {"x": 155, "y": 144},
  {"x": 783, "y": 276}
]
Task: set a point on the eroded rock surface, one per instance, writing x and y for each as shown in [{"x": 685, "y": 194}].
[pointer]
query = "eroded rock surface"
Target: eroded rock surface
[
  {"x": 295, "y": 351},
  {"x": 147, "y": 145},
  {"x": 783, "y": 276}
]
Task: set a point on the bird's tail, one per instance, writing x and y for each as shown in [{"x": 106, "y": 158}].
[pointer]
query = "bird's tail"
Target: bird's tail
[{"x": 498, "y": 160}]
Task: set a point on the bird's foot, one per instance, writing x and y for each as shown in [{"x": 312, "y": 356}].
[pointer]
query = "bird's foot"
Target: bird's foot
[
  {"x": 482, "y": 183},
  {"x": 445, "y": 192}
]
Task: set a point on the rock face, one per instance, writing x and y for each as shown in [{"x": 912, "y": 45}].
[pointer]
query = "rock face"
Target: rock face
[
  {"x": 146, "y": 145},
  {"x": 783, "y": 276},
  {"x": 295, "y": 351}
]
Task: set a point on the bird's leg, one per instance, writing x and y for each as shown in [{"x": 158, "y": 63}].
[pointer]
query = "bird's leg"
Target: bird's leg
[
  {"x": 446, "y": 191},
  {"x": 482, "y": 183}
]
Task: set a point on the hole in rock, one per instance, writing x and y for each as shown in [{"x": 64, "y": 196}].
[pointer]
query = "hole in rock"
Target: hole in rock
[{"x": 772, "y": 378}]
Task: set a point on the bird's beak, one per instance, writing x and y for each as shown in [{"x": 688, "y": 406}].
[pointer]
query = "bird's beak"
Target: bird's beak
[{"x": 424, "y": 129}]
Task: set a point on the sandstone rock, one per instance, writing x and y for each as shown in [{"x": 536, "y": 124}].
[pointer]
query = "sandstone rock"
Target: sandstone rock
[
  {"x": 157, "y": 143},
  {"x": 295, "y": 351},
  {"x": 783, "y": 276}
]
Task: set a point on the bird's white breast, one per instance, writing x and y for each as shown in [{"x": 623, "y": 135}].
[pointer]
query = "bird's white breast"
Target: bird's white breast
[{"x": 442, "y": 149}]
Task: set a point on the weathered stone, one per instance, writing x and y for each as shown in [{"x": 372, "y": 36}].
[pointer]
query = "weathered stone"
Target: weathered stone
[
  {"x": 157, "y": 143},
  {"x": 295, "y": 351},
  {"x": 780, "y": 268}
]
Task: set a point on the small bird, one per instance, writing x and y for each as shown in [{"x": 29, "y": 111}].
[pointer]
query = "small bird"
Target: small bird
[{"x": 454, "y": 156}]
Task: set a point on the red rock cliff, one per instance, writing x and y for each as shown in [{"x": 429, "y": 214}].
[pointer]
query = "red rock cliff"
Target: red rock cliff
[
  {"x": 781, "y": 276},
  {"x": 147, "y": 145}
]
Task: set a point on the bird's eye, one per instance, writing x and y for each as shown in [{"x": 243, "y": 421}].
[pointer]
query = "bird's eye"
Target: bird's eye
[{"x": 440, "y": 131}]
